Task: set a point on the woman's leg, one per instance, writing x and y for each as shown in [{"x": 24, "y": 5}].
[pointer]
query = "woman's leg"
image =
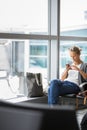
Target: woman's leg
[
  {"x": 53, "y": 91},
  {"x": 68, "y": 88},
  {"x": 58, "y": 88}
]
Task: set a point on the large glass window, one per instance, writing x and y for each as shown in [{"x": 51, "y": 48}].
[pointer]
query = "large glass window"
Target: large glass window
[
  {"x": 64, "y": 54},
  {"x": 18, "y": 57},
  {"x": 23, "y": 23},
  {"x": 38, "y": 53},
  {"x": 38, "y": 59},
  {"x": 35, "y": 36},
  {"x": 24, "y": 16},
  {"x": 73, "y": 18},
  {"x": 73, "y": 29}
]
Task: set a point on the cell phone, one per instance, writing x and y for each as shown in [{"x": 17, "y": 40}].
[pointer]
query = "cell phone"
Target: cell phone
[{"x": 67, "y": 65}]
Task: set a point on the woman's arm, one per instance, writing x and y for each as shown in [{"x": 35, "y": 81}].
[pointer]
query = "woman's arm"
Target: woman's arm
[
  {"x": 84, "y": 75},
  {"x": 65, "y": 73}
]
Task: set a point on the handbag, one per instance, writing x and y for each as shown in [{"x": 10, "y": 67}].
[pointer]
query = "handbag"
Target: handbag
[{"x": 34, "y": 84}]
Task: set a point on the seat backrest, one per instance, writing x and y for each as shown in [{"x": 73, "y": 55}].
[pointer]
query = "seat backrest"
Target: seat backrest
[{"x": 29, "y": 116}]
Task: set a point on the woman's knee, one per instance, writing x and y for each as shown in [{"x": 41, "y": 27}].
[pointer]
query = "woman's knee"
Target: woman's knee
[
  {"x": 54, "y": 81},
  {"x": 54, "y": 85}
]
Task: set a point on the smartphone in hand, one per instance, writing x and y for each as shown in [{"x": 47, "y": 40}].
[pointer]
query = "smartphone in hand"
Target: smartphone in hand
[{"x": 67, "y": 65}]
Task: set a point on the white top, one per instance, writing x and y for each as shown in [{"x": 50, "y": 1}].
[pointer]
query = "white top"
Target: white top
[{"x": 73, "y": 75}]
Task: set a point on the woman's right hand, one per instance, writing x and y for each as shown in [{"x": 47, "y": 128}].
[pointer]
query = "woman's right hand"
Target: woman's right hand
[{"x": 68, "y": 66}]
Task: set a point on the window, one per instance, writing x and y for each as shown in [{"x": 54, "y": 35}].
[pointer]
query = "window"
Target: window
[
  {"x": 34, "y": 36},
  {"x": 24, "y": 16},
  {"x": 64, "y": 45},
  {"x": 73, "y": 22},
  {"x": 73, "y": 29},
  {"x": 22, "y": 25}
]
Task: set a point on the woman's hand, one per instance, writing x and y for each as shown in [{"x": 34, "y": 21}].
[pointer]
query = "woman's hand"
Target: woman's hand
[
  {"x": 84, "y": 75},
  {"x": 68, "y": 66},
  {"x": 74, "y": 67},
  {"x": 65, "y": 73}
]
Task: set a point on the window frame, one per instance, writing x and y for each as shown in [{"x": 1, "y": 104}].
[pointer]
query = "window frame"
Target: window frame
[{"x": 53, "y": 38}]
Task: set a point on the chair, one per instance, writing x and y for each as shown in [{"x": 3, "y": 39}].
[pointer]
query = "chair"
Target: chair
[
  {"x": 81, "y": 96},
  {"x": 75, "y": 97},
  {"x": 32, "y": 116}
]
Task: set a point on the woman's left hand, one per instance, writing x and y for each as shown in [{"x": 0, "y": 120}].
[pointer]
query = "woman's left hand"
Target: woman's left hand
[{"x": 74, "y": 67}]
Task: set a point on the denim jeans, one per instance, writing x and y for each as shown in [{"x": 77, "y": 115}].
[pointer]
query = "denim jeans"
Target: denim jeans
[{"x": 59, "y": 88}]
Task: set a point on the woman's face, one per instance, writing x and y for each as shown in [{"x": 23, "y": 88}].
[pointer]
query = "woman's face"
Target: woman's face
[{"x": 75, "y": 57}]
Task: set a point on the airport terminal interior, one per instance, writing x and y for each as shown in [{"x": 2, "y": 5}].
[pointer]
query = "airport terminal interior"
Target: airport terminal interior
[{"x": 34, "y": 38}]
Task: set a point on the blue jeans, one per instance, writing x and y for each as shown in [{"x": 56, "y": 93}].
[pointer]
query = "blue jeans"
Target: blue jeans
[{"x": 59, "y": 88}]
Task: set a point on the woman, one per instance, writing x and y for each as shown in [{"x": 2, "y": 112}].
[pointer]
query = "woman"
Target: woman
[{"x": 72, "y": 77}]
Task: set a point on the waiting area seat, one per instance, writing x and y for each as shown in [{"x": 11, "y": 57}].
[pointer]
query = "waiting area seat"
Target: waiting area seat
[
  {"x": 72, "y": 99},
  {"x": 79, "y": 99}
]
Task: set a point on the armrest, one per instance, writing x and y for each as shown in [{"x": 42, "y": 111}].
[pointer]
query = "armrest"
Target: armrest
[{"x": 83, "y": 86}]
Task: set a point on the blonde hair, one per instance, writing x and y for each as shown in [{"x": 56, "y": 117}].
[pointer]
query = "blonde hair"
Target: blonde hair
[{"x": 76, "y": 49}]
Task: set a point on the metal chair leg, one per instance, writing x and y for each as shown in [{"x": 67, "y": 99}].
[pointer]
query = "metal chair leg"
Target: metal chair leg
[{"x": 85, "y": 100}]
